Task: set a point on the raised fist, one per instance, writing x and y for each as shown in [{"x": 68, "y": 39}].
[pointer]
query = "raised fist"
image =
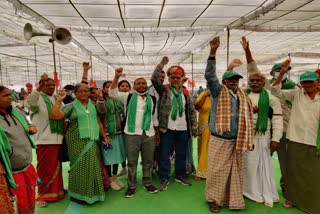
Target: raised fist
[
  {"x": 215, "y": 42},
  {"x": 285, "y": 66},
  {"x": 86, "y": 65},
  {"x": 164, "y": 60},
  {"x": 118, "y": 72},
  {"x": 44, "y": 78},
  {"x": 244, "y": 42}
]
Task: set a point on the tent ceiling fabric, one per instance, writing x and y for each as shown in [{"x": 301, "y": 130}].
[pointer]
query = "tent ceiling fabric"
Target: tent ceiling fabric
[{"x": 136, "y": 34}]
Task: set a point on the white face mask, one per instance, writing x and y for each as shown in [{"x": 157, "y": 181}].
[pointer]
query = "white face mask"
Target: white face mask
[{"x": 284, "y": 77}]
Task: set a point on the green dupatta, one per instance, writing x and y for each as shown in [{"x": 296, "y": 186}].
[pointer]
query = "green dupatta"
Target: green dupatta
[
  {"x": 56, "y": 126},
  {"x": 132, "y": 110},
  {"x": 87, "y": 120},
  {"x": 263, "y": 111}
]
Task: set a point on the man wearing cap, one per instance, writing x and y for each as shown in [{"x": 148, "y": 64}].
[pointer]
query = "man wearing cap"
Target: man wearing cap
[
  {"x": 259, "y": 183},
  {"x": 285, "y": 104},
  {"x": 231, "y": 126},
  {"x": 303, "y": 163},
  {"x": 177, "y": 122}
]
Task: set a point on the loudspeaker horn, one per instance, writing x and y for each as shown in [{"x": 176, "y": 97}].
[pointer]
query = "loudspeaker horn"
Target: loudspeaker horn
[{"x": 60, "y": 35}]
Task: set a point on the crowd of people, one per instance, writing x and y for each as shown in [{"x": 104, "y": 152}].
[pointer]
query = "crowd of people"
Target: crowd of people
[{"x": 97, "y": 129}]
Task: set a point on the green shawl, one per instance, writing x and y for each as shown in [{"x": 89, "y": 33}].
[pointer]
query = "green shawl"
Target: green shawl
[
  {"x": 5, "y": 150},
  {"x": 112, "y": 108},
  {"x": 87, "y": 120},
  {"x": 177, "y": 104},
  {"x": 5, "y": 147},
  {"x": 56, "y": 126},
  {"x": 132, "y": 110},
  {"x": 263, "y": 111}
]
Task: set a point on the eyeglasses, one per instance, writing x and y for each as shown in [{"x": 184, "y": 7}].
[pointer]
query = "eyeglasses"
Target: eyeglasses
[{"x": 83, "y": 91}]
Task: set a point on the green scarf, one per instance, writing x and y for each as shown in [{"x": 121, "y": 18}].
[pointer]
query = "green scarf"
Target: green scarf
[
  {"x": 87, "y": 120},
  {"x": 287, "y": 85},
  {"x": 5, "y": 147},
  {"x": 177, "y": 104},
  {"x": 112, "y": 108},
  {"x": 263, "y": 111},
  {"x": 19, "y": 116},
  {"x": 132, "y": 110},
  {"x": 5, "y": 150},
  {"x": 56, "y": 126}
]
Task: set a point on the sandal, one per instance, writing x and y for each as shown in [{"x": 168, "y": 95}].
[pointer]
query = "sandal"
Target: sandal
[
  {"x": 287, "y": 204},
  {"x": 41, "y": 203},
  {"x": 213, "y": 207}
]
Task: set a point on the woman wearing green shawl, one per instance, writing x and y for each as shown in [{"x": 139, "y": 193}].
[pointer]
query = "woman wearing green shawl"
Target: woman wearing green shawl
[
  {"x": 111, "y": 113},
  {"x": 85, "y": 180}
]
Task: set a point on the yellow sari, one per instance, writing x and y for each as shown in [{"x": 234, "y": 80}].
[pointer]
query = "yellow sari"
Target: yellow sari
[{"x": 204, "y": 136}]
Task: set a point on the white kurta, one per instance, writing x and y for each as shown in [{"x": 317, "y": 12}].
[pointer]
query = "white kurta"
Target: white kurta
[{"x": 259, "y": 183}]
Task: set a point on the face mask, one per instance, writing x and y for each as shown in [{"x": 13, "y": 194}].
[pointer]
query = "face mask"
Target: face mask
[{"x": 284, "y": 77}]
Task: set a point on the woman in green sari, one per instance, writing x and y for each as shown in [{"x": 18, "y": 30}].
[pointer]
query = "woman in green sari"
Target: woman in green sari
[{"x": 85, "y": 181}]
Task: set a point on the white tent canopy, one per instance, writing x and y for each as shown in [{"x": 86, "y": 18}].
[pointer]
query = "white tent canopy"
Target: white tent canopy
[{"x": 136, "y": 34}]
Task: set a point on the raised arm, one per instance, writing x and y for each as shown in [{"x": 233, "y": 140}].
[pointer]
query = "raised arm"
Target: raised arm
[
  {"x": 210, "y": 73},
  {"x": 118, "y": 73},
  {"x": 284, "y": 69},
  {"x": 287, "y": 95},
  {"x": 32, "y": 102},
  {"x": 114, "y": 92},
  {"x": 245, "y": 45},
  {"x": 56, "y": 113},
  {"x": 155, "y": 78},
  {"x": 86, "y": 67}
]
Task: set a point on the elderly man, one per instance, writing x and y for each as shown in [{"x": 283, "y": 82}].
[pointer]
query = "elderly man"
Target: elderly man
[
  {"x": 259, "y": 184},
  {"x": 177, "y": 122},
  {"x": 48, "y": 140},
  {"x": 285, "y": 104},
  {"x": 139, "y": 130},
  {"x": 303, "y": 162},
  {"x": 231, "y": 127}
]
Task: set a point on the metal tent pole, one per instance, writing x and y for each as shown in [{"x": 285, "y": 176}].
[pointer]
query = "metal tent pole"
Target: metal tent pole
[
  {"x": 228, "y": 44},
  {"x": 35, "y": 59}
]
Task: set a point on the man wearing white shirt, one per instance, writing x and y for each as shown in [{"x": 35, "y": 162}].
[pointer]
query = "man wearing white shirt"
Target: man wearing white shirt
[
  {"x": 303, "y": 162},
  {"x": 48, "y": 140},
  {"x": 139, "y": 130}
]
